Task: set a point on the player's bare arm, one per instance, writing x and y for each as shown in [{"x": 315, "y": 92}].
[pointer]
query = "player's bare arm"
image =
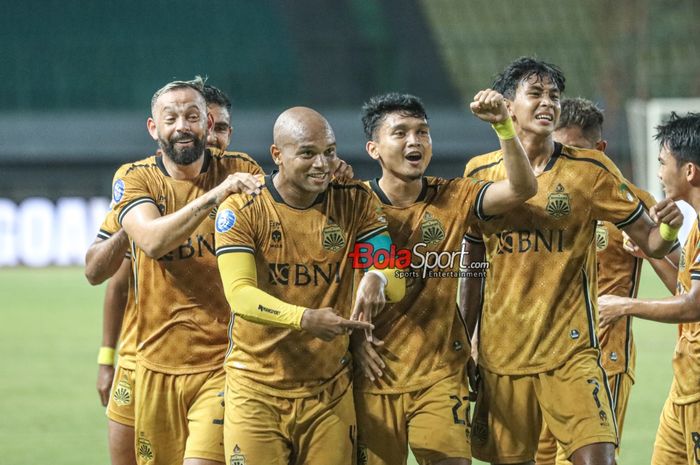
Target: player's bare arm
[
  {"x": 490, "y": 106},
  {"x": 645, "y": 231},
  {"x": 683, "y": 308},
  {"x": 112, "y": 317},
  {"x": 157, "y": 235},
  {"x": 666, "y": 268},
  {"x": 105, "y": 256}
]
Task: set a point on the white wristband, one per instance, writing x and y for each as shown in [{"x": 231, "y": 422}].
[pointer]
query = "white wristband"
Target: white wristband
[{"x": 381, "y": 276}]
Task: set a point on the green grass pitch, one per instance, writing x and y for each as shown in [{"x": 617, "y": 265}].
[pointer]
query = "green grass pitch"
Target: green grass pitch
[{"x": 50, "y": 333}]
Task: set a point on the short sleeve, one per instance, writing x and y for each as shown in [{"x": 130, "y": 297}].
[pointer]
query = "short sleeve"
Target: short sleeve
[
  {"x": 234, "y": 229},
  {"x": 614, "y": 201},
  {"x": 128, "y": 191}
]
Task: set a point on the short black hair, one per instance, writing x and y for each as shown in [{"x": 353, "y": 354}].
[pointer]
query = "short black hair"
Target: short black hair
[
  {"x": 582, "y": 113},
  {"x": 215, "y": 96},
  {"x": 521, "y": 69},
  {"x": 681, "y": 136},
  {"x": 379, "y": 106}
]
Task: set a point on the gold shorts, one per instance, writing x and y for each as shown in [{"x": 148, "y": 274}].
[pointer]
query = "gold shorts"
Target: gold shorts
[
  {"x": 121, "y": 398},
  {"x": 678, "y": 437},
  {"x": 315, "y": 430},
  {"x": 574, "y": 400},
  {"x": 433, "y": 421},
  {"x": 179, "y": 416},
  {"x": 547, "y": 451}
]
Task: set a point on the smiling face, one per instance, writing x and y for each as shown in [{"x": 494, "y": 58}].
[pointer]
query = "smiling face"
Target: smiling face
[
  {"x": 179, "y": 124},
  {"x": 535, "y": 108},
  {"x": 673, "y": 182},
  {"x": 403, "y": 145},
  {"x": 305, "y": 151}
]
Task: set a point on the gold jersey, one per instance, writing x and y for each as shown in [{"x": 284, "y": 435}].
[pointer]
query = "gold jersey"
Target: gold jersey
[
  {"x": 424, "y": 335},
  {"x": 686, "y": 358},
  {"x": 618, "y": 274},
  {"x": 301, "y": 257},
  {"x": 540, "y": 296},
  {"x": 183, "y": 315}
]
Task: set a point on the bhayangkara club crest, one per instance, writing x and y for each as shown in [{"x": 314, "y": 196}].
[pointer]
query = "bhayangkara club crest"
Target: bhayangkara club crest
[
  {"x": 237, "y": 458},
  {"x": 122, "y": 394},
  {"x": 144, "y": 449},
  {"x": 558, "y": 202},
  {"x": 601, "y": 237},
  {"x": 432, "y": 229},
  {"x": 333, "y": 237}
]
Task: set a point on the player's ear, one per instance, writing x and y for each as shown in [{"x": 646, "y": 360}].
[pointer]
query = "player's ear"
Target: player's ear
[
  {"x": 509, "y": 106},
  {"x": 372, "y": 149},
  {"x": 276, "y": 154},
  {"x": 210, "y": 122},
  {"x": 601, "y": 145},
  {"x": 692, "y": 173},
  {"x": 152, "y": 130}
]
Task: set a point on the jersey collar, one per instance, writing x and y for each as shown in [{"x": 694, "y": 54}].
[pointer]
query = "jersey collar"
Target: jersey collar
[
  {"x": 374, "y": 184},
  {"x": 555, "y": 156},
  {"x": 278, "y": 198}
]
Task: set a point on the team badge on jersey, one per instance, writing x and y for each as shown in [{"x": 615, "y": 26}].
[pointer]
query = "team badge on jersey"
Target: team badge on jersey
[
  {"x": 122, "y": 394},
  {"x": 237, "y": 458},
  {"x": 432, "y": 229},
  {"x": 333, "y": 237},
  {"x": 558, "y": 202},
  {"x": 118, "y": 190},
  {"x": 362, "y": 457},
  {"x": 144, "y": 448},
  {"x": 225, "y": 220},
  {"x": 624, "y": 188},
  {"x": 601, "y": 237}
]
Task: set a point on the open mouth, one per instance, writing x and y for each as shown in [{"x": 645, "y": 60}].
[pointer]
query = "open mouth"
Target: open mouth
[
  {"x": 414, "y": 157},
  {"x": 544, "y": 117},
  {"x": 318, "y": 176}
]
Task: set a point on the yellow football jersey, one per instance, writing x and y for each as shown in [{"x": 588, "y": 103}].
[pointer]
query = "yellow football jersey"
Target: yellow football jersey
[
  {"x": 618, "y": 274},
  {"x": 424, "y": 335},
  {"x": 127, "y": 335},
  {"x": 183, "y": 315},
  {"x": 686, "y": 357},
  {"x": 301, "y": 257},
  {"x": 540, "y": 297}
]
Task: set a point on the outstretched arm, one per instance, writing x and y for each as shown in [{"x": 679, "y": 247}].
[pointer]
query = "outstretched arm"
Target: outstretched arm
[{"x": 105, "y": 256}]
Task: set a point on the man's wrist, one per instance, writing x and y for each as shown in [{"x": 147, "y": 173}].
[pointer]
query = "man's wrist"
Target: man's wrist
[
  {"x": 381, "y": 276},
  {"x": 105, "y": 356}
]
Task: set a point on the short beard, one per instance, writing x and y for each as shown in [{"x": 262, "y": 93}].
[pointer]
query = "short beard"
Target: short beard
[{"x": 185, "y": 156}]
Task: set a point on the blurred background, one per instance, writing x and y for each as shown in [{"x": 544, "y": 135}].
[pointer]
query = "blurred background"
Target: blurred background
[{"x": 78, "y": 77}]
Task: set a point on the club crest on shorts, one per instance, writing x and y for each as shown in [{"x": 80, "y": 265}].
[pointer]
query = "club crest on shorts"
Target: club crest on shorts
[
  {"x": 333, "y": 237},
  {"x": 225, "y": 220},
  {"x": 362, "y": 457},
  {"x": 118, "y": 190},
  {"x": 696, "y": 443},
  {"x": 432, "y": 230},
  {"x": 122, "y": 394},
  {"x": 558, "y": 202},
  {"x": 601, "y": 237},
  {"x": 237, "y": 458},
  {"x": 144, "y": 449}
]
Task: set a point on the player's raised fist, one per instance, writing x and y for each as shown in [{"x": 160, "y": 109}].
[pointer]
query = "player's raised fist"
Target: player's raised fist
[
  {"x": 489, "y": 105},
  {"x": 323, "y": 323},
  {"x": 667, "y": 212}
]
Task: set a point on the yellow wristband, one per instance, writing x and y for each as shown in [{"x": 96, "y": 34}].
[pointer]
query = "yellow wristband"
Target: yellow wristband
[
  {"x": 505, "y": 129},
  {"x": 668, "y": 233},
  {"x": 105, "y": 356}
]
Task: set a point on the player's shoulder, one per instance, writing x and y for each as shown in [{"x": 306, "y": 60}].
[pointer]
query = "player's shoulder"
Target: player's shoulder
[
  {"x": 235, "y": 161},
  {"x": 481, "y": 165},
  {"x": 350, "y": 188},
  {"x": 647, "y": 199},
  {"x": 590, "y": 158}
]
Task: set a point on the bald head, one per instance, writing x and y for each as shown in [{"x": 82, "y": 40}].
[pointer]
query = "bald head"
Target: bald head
[{"x": 298, "y": 124}]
